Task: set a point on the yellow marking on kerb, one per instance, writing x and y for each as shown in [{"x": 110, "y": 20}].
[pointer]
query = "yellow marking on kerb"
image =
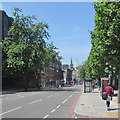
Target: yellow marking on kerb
[{"x": 113, "y": 114}]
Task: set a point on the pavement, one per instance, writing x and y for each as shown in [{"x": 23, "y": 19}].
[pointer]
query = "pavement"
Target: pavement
[{"x": 91, "y": 105}]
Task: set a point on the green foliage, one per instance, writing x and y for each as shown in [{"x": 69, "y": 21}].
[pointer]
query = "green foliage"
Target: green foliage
[
  {"x": 81, "y": 70},
  {"x": 25, "y": 49},
  {"x": 104, "y": 56}
]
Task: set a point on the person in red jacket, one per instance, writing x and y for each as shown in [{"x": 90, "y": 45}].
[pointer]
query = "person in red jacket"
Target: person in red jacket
[{"x": 109, "y": 90}]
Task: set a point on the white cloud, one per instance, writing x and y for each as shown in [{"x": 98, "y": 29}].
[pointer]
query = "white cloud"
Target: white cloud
[
  {"x": 76, "y": 27},
  {"x": 68, "y": 52},
  {"x": 74, "y": 51}
]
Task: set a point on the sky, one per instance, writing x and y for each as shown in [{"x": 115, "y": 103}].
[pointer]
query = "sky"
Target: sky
[{"x": 68, "y": 22}]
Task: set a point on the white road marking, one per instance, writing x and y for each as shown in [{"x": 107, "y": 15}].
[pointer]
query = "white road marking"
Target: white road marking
[
  {"x": 76, "y": 117},
  {"x": 10, "y": 111},
  {"x": 70, "y": 96},
  {"x": 64, "y": 101},
  {"x": 3, "y": 95},
  {"x": 77, "y": 92},
  {"x": 58, "y": 106},
  {"x": 35, "y": 101},
  {"x": 46, "y": 116},
  {"x": 53, "y": 111},
  {"x": 49, "y": 96}
]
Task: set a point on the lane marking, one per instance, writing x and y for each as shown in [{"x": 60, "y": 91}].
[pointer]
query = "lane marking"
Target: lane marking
[
  {"x": 58, "y": 106},
  {"x": 76, "y": 117},
  {"x": 77, "y": 92},
  {"x": 35, "y": 101},
  {"x": 10, "y": 110},
  {"x": 53, "y": 111},
  {"x": 49, "y": 96},
  {"x": 70, "y": 96},
  {"x": 46, "y": 116},
  {"x": 64, "y": 101}
]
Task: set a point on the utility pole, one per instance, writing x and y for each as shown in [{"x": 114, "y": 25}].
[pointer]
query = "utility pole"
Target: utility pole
[{"x": 119, "y": 85}]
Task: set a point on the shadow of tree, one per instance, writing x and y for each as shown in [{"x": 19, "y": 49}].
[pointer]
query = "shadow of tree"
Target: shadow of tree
[{"x": 115, "y": 109}]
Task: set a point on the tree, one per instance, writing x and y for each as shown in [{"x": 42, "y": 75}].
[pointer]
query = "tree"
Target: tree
[
  {"x": 25, "y": 48},
  {"x": 104, "y": 57},
  {"x": 81, "y": 69}
]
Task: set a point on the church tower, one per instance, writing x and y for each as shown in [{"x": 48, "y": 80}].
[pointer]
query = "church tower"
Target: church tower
[{"x": 71, "y": 65}]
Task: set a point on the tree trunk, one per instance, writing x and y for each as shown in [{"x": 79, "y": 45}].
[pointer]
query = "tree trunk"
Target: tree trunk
[
  {"x": 111, "y": 78},
  {"x": 25, "y": 78},
  {"x": 116, "y": 80},
  {"x": 119, "y": 86}
]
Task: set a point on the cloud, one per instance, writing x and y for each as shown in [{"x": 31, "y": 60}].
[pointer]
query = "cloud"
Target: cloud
[
  {"x": 76, "y": 27},
  {"x": 74, "y": 51}
]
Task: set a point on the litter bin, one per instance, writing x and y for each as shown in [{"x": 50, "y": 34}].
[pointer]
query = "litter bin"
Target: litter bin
[{"x": 87, "y": 85}]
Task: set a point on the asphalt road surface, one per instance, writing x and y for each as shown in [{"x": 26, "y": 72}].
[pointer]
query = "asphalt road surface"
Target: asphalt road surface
[{"x": 40, "y": 104}]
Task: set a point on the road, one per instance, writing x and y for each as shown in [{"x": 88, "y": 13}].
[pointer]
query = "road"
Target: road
[{"x": 40, "y": 104}]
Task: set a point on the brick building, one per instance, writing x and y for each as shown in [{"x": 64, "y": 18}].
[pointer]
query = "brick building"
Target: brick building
[{"x": 52, "y": 74}]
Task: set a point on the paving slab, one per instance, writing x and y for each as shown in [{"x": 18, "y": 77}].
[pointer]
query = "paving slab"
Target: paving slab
[{"x": 92, "y": 105}]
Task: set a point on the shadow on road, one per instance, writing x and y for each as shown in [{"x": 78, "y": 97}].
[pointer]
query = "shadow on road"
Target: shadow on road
[{"x": 39, "y": 90}]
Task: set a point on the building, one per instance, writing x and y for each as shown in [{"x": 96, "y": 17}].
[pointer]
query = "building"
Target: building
[
  {"x": 52, "y": 74},
  {"x": 71, "y": 65},
  {"x": 65, "y": 68},
  {"x": 5, "y": 23},
  {"x": 67, "y": 73}
]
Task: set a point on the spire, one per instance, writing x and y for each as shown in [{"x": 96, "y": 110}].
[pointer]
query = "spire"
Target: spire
[{"x": 71, "y": 65}]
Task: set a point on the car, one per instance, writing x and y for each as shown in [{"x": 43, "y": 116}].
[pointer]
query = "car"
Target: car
[{"x": 71, "y": 82}]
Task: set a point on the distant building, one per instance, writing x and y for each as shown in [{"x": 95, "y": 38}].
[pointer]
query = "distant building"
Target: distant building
[
  {"x": 5, "y": 23},
  {"x": 52, "y": 74},
  {"x": 65, "y": 68},
  {"x": 67, "y": 73},
  {"x": 71, "y": 65}
]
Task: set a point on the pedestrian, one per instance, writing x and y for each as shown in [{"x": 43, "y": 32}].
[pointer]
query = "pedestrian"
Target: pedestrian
[
  {"x": 93, "y": 86},
  {"x": 109, "y": 91},
  {"x": 57, "y": 85}
]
